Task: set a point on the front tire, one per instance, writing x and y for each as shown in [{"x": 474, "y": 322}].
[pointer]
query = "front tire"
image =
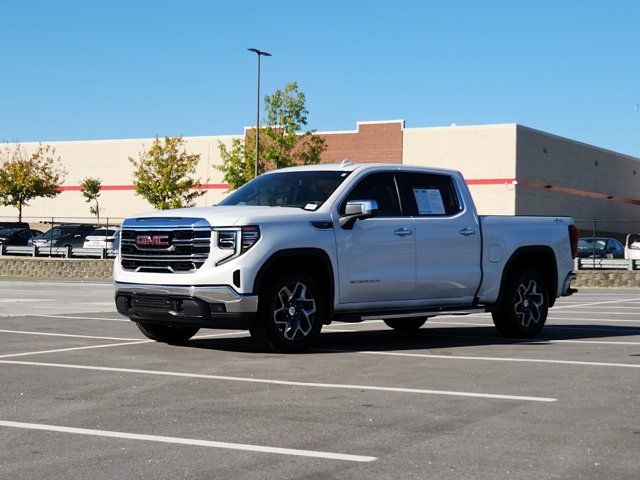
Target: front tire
[
  {"x": 171, "y": 334},
  {"x": 406, "y": 324},
  {"x": 524, "y": 307},
  {"x": 291, "y": 311}
]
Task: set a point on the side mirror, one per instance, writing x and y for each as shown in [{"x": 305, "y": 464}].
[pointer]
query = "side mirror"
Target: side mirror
[{"x": 357, "y": 210}]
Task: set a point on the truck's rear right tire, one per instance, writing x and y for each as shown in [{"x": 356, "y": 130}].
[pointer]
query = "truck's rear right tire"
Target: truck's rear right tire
[
  {"x": 172, "y": 334},
  {"x": 525, "y": 303},
  {"x": 406, "y": 324}
]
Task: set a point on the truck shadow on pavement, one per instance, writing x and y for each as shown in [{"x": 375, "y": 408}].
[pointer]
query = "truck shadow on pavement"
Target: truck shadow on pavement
[{"x": 425, "y": 338}]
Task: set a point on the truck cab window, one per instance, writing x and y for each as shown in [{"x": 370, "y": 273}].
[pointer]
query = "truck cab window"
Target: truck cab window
[
  {"x": 428, "y": 195},
  {"x": 380, "y": 187}
]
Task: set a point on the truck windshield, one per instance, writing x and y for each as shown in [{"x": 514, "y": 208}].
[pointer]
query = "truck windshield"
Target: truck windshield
[{"x": 306, "y": 190}]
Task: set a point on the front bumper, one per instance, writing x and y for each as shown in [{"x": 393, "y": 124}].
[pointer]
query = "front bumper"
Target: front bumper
[{"x": 217, "y": 306}]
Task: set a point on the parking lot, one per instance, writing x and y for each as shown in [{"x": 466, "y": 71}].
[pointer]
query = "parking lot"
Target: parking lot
[{"x": 85, "y": 395}]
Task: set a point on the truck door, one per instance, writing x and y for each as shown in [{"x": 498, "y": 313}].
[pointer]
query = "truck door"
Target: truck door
[
  {"x": 448, "y": 239},
  {"x": 376, "y": 258}
]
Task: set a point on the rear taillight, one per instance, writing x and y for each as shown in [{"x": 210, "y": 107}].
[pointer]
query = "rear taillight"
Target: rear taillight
[{"x": 573, "y": 238}]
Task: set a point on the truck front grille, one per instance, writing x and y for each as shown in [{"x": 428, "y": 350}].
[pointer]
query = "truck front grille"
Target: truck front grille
[{"x": 165, "y": 245}]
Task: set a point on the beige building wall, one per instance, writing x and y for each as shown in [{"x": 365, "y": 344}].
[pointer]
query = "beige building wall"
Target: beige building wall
[
  {"x": 510, "y": 170},
  {"x": 108, "y": 160},
  {"x": 559, "y": 176},
  {"x": 484, "y": 154}
]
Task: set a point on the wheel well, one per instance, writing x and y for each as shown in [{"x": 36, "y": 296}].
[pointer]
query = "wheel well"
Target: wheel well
[
  {"x": 542, "y": 260},
  {"x": 314, "y": 261}
]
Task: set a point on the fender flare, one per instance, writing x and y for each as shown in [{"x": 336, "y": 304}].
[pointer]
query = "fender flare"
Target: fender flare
[
  {"x": 519, "y": 253},
  {"x": 298, "y": 252}
]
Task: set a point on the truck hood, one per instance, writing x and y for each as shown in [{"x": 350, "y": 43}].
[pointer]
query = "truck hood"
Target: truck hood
[{"x": 235, "y": 214}]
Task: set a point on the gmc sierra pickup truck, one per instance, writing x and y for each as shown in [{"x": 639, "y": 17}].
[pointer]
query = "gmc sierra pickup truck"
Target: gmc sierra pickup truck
[{"x": 298, "y": 248}]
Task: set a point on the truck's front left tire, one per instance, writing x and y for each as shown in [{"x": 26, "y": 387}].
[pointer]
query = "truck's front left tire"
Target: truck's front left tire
[
  {"x": 172, "y": 334},
  {"x": 291, "y": 311}
]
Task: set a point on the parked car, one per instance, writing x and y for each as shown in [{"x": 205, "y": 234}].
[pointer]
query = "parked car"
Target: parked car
[
  {"x": 101, "y": 238},
  {"x": 298, "y": 248},
  {"x": 600, "y": 247},
  {"x": 632, "y": 247},
  {"x": 4, "y": 225},
  {"x": 17, "y": 236},
  {"x": 68, "y": 235}
]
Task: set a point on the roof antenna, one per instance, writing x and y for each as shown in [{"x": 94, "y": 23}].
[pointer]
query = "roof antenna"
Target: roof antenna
[{"x": 345, "y": 163}]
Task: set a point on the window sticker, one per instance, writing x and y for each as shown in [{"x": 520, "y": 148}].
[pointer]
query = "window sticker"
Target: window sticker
[{"x": 429, "y": 201}]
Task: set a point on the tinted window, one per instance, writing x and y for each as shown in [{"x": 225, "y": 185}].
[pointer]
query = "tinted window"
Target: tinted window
[
  {"x": 380, "y": 187},
  {"x": 307, "y": 190},
  {"x": 428, "y": 195}
]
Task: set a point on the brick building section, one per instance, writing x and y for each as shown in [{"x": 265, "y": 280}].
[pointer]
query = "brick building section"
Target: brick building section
[{"x": 371, "y": 142}]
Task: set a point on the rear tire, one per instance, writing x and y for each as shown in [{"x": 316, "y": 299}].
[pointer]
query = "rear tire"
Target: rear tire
[
  {"x": 406, "y": 324},
  {"x": 524, "y": 307},
  {"x": 291, "y": 311},
  {"x": 171, "y": 334}
]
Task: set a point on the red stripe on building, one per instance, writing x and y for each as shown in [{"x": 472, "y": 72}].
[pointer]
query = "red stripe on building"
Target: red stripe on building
[
  {"x": 490, "y": 181},
  {"x": 78, "y": 188},
  {"x": 472, "y": 181},
  {"x": 578, "y": 192}
]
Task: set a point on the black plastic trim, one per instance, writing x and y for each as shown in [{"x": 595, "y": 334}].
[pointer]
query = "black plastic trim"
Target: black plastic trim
[
  {"x": 298, "y": 252},
  {"x": 204, "y": 319},
  {"x": 520, "y": 252}
]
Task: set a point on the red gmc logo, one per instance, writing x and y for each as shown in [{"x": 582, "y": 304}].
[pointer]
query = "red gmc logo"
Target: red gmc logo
[{"x": 152, "y": 240}]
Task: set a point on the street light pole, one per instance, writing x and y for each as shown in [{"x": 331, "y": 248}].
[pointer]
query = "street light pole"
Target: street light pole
[{"x": 259, "y": 54}]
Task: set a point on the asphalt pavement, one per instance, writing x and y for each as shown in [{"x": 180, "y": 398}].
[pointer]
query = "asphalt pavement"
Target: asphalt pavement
[{"x": 85, "y": 395}]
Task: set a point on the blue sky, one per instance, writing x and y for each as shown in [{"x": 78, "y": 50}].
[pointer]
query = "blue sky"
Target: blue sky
[{"x": 119, "y": 69}]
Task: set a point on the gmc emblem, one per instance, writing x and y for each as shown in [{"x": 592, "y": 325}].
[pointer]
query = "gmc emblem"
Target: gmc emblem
[{"x": 158, "y": 240}]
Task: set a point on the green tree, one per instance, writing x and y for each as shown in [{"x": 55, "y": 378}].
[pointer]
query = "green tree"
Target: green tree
[
  {"x": 163, "y": 174},
  {"x": 90, "y": 188},
  {"x": 24, "y": 176},
  {"x": 282, "y": 142}
]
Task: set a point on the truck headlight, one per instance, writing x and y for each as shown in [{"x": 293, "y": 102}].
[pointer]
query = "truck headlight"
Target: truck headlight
[{"x": 236, "y": 239}]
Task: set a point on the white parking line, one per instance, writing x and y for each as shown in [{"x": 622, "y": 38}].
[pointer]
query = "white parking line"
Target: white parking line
[
  {"x": 606, "y": 320},
  {"x": 618, "y": 307},
  {"x": 597, "y": 312},
  {"x": 190, "y": 441},
  {"x": 42, "y": 315},
  {"x": 596, "y": 303},
  {"x": 470, "y": 324},
  {"x": 586, "y": 294},
  {"x": 560, "y": 327},
  {"x": 74, "y": 348},
  {"x": 213, "y": 335},
  {"x": 287, "y": 382},
  {"x": 22, "y": 299},
  {"x": 487, "y": 359},
  {"x": 536, "y": 342},
  {"x": 37, "y": 283},
  {"x": 48, "y": 334}
]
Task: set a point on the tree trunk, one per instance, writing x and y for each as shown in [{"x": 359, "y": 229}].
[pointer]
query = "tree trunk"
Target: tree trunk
[{"x": 19, "y": 211}]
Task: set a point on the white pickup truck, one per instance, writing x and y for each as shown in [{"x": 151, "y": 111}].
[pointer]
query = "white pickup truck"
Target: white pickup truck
[{"x": 298, "y": 248}]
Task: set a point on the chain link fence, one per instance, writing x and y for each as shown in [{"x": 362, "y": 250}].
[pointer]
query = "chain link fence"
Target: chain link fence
[
  {"x": 608, "y": 244},
  {"x": 60, "y": 236},
  {"x": 604, "y": 244}
]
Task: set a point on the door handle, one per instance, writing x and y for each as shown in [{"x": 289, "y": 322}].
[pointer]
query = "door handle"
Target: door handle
[
  {"x": 467, "y": 231},
  {"x": 402, "y": 232}
]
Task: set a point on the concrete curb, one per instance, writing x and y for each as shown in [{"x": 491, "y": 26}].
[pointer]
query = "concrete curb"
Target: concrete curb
[
  {"x": 55, "y": 267},
  {"x": 92, "y": 268}
]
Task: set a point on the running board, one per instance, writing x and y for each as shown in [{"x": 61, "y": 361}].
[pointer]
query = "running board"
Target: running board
[{"x": 422, "y": 313}]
